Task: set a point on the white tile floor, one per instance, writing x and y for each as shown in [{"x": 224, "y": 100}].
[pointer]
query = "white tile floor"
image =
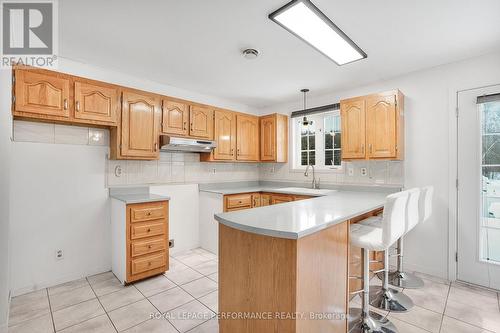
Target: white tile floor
[{"x": 100, "y": 303}]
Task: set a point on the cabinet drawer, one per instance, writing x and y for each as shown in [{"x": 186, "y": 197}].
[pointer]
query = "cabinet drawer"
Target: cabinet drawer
[
  {"x": 141, "y": 247},
  {"x": 148, "y": 263},
  {"x": 146, "y": 212},
  {"x": 239, "y": 201},
  {"x": 142, "y": 230}
]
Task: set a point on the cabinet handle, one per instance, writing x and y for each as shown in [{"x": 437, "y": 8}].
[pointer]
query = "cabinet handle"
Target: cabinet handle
[
  {"x": 370, "y": 147},
  {"x": 238, "y": 152},
  {"x": 149, "y": 229},
  {"x": 150, "y": 246},
  {"x": 156, "y": 146},
  {"x": 65, "y": 104},
  {"x": 185, "y": 125},
  {"x": 148, "y": 213},
  {"x": 77, "y": 105},
  {"x": 232, "y": 151},
  {"x": 191, "y": 126},
  {"x": 362, "y": 149}
]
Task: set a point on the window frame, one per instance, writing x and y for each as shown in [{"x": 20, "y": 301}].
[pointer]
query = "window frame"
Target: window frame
[{"x": 295, "y": 147}]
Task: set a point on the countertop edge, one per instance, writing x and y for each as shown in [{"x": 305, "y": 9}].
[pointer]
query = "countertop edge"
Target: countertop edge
[{"x": 292, "y": 235}]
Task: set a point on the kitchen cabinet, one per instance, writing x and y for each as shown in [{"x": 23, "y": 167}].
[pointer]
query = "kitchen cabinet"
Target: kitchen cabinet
[
  {"x": 140, "y": 118},
  {"x": 96, "y": 102},
  {"x": 224, "y": 135},
  {"x": 201, "y": 122},
  {"x": 247, "y": 137},
  {"x": 281, "y": 198},
  {"x": 373, "y": 127},
  {"x": 274, "y": 138},
  {"x": 239, "y": 201},
  {"x": 175, "y": 117},
  {"x": 139, "y": 239},
  {"x": 265, "y": 199},
  {"x": 41, "y": 95},
  {"x": 353, "y": 137}
]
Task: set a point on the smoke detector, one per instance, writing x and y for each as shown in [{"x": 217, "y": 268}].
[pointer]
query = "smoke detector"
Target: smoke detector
[{"x": 250, "y": 54}]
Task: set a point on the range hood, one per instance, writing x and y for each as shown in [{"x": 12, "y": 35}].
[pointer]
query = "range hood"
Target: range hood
[{"x": 172, "y": 143}]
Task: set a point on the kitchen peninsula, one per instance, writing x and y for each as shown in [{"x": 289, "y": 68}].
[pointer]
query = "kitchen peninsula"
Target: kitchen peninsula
[{"x": 282, "y": 265}]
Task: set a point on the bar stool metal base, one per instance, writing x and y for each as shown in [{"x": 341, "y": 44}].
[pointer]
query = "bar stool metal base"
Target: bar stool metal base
[
  {"x": 374, "y": 323},
  {"x": 390, "y": 299},
  {"x": 405, "y": 280}
]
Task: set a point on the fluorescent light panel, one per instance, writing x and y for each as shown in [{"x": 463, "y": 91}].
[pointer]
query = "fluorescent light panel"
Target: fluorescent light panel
[{"x": 307, "y": 22}]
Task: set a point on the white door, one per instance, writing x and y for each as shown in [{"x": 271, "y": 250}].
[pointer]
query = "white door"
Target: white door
[{"x": 479, "y": 187}]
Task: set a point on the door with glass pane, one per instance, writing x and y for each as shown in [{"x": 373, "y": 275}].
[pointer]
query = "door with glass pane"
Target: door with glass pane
[{"x": 479, "y": 187}]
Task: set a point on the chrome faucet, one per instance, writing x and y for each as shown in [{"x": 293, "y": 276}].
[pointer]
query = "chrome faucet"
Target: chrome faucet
[{"x": 314, "y": 184}]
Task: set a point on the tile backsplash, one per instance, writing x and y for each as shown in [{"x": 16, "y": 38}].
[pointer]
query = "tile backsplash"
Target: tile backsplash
[
  {"x": 378, "y": 172},
  {"x": 187, "y": 168}
]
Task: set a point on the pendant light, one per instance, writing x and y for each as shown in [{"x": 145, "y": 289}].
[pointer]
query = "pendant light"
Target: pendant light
[{"x": 305, "y": 122}]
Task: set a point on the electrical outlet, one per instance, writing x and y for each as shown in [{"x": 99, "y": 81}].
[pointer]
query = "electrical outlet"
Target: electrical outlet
[
  {"x": 350, "y": 171},
  {"x": 214, "y": 171},
  {"x": 59, "y": 255},
  {"x": 364, "y": 172}
]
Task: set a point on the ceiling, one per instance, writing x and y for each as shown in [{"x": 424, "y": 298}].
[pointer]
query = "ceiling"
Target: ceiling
[{"x": 196, "y": 44}]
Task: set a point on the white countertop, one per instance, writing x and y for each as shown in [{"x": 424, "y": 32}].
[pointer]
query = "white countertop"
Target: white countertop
[
  {"x": 139, "y": 197},
  {"x": 297, "y": 219}
]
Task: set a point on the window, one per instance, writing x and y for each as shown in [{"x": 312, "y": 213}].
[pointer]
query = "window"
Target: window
[{"x": 317, "y": 142}]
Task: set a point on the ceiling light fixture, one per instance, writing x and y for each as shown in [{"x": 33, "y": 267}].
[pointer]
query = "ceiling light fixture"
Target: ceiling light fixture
[{"x": 303, "y": 19}]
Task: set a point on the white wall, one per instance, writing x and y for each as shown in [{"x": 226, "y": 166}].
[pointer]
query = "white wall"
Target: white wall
[
  {"x": 58, "y": 191},
  {"x": 5, "y": 158},
  {"x": 182, "y": 215},
  {"x": 430, "y": 104}
]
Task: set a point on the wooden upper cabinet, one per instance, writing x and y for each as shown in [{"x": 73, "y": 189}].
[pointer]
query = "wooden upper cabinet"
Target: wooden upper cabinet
[
  {"x": 373, "y": 126},
  {"x": 96, "y": 102},
  {"x": 381, "y": 122},
  {"x": 225, "y": 135},
  {"x": 274, "y": 138},
  {"x": 247, "y": 138},
  {"x": 353, "y": 137},
  {"x": 41, "y": 94},
  {"x": 139, "y": 125},
  {"x": 175, "y": 117},
  {"x": 201, "y": 122}
]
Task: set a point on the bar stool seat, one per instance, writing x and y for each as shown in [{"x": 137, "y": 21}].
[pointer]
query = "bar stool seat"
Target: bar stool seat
[{"x": 372, "y": 238}]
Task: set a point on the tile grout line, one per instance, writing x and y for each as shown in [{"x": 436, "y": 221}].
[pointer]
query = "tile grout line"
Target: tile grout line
[
  {"x": 50, "y": 310},
  {"x": 175, "y": 328},
  {"x": 106, "y": 312}
]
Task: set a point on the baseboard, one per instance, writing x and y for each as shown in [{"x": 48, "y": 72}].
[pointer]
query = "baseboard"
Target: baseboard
[{"x": 55, "y": 282}]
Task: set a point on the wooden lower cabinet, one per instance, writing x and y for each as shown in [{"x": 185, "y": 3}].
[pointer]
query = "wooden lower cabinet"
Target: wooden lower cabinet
[
  {"x": 269, "y": 275},
  {"x": 139, "y": 239},
  {"x": 233, "y": 202}
]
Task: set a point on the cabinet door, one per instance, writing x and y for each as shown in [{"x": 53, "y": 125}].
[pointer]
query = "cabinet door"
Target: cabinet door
[
  {"x": 95, "y": 102},
  {"x": 140, "y": 119},
  {"x": 352, "y": 113},
  {"x": 225, "y": 135},
  {"x": 201, "y": 122},
  {"x": 41, "y": 94},
  {"x": 268, "y": 138},
  {"x": 175, "y": 118},
  {"x": 256, "y": 200},
  {"x": 280, "y": 198},
  {"x": 381, "y": 122},
  {"x": 265, "y": 199},
  {"x": 247, "y": 138}
]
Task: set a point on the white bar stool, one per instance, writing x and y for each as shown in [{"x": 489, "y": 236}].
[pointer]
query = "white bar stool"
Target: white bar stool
[
  {"x": 400, "y": 278},
  {"x": 370, "y": 238},
  {"x": 383, "y": 297}
]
